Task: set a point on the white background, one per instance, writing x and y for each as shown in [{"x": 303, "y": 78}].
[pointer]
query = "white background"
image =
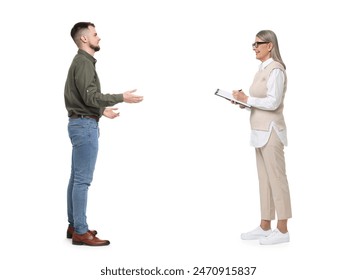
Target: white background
[{"x": 175, "y": 182}]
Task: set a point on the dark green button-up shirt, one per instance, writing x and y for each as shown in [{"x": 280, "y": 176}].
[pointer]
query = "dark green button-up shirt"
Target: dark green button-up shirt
[{"x": 82, "y": 92}]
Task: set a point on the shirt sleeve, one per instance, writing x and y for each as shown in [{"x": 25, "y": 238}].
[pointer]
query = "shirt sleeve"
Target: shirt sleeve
[
  {"x": 85, "y": 79},
  {"x": 275, "y": 91}
]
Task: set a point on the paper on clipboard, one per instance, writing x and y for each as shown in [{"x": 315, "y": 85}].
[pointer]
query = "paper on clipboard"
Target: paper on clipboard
[{"x": 229, "y": 96}]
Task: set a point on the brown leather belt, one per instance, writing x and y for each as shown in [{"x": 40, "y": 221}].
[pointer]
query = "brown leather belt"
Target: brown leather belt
[{"x": 75, "y": 116}]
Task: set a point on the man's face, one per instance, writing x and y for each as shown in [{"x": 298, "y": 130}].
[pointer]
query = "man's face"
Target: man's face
[{"x": 93, "y": 39}]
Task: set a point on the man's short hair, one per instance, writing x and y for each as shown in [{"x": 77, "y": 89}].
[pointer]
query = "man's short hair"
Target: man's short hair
[{"x": 78, "y": 27}]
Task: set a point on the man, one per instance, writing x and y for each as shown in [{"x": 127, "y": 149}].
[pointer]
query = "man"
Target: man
[{"x": 85, "y": 105}]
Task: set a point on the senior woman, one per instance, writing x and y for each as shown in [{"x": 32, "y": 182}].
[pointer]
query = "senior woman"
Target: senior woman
[{"x": 268, "y": 136}]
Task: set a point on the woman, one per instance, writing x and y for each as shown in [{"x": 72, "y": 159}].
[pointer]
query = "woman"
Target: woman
[{"x": 268, "y": 136}]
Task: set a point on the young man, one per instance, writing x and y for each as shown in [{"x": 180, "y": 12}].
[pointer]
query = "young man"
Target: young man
[{"x": 86, "y": 105}]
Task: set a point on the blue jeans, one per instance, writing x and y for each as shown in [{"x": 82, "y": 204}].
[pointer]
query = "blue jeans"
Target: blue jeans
[{"x": 84, "y": 135}]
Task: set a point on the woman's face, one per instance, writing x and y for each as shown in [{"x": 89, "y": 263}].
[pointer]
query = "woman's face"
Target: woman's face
[{"x": 262, "y": 49}]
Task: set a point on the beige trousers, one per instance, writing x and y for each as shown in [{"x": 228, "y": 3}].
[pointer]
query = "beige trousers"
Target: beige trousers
[{"x": 273, "y": 183}]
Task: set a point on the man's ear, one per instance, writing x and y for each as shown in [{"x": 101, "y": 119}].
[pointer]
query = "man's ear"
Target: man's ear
[{"x": 83, "y": 39}]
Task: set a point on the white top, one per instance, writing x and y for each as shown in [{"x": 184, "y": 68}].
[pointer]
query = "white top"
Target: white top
[{"x": 275, "y": 85}]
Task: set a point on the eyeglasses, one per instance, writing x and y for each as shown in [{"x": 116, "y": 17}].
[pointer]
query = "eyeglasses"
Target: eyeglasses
[{"x": 256, "y": 44}]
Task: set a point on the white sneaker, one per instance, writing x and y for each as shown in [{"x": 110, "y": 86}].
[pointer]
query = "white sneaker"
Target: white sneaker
[
  {"x": 275, "y": 237},
  {"x": 255, "y": 234}
]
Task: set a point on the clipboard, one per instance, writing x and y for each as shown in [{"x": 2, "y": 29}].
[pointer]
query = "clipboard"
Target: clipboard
[{"x": 229, "y": 96}]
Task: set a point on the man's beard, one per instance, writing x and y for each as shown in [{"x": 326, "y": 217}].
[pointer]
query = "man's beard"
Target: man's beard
[{"x": 95, "y": 48}]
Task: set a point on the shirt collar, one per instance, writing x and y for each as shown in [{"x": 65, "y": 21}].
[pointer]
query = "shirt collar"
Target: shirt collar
[
  {"x": 87, "y": 55},
  {"x": 265, "y": 63}
]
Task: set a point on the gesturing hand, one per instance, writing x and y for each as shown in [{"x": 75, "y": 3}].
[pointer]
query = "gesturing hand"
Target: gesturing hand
[
  {"x": 129, "y": 97},
  {"x": 109, "y": 113}
]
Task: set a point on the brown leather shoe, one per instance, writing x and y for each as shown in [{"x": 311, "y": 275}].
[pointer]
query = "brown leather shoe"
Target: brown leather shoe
[
  {"x": 70, "y": 231},
  {"x": 88, "y": 239}
]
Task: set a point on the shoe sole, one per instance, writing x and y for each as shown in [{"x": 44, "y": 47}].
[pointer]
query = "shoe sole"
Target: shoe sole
[
  {"x": 83, "y": 243},
  {"x": 274, "y": 243},
  {"x": 254, "y": 237}
]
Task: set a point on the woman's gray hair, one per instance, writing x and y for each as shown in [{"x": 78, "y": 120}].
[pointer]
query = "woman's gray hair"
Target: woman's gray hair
[{"x": 269, "y": 36}]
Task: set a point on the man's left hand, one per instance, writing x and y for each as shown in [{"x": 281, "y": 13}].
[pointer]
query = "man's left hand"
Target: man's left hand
[{"x": 110, "y": 113}]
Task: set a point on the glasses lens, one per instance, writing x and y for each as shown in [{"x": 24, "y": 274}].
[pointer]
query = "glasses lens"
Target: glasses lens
[{"x": 256, "y": 44}]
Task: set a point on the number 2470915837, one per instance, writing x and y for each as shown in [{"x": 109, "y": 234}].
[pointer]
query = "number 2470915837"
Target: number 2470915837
[{"x": 212, "y": 270}]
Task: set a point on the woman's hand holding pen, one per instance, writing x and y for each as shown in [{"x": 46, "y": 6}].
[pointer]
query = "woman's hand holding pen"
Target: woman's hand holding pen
[{"x": 240, "y": 96}]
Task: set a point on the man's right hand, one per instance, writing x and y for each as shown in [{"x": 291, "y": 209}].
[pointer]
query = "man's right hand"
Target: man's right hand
[{"x": 129, "y": 97}]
